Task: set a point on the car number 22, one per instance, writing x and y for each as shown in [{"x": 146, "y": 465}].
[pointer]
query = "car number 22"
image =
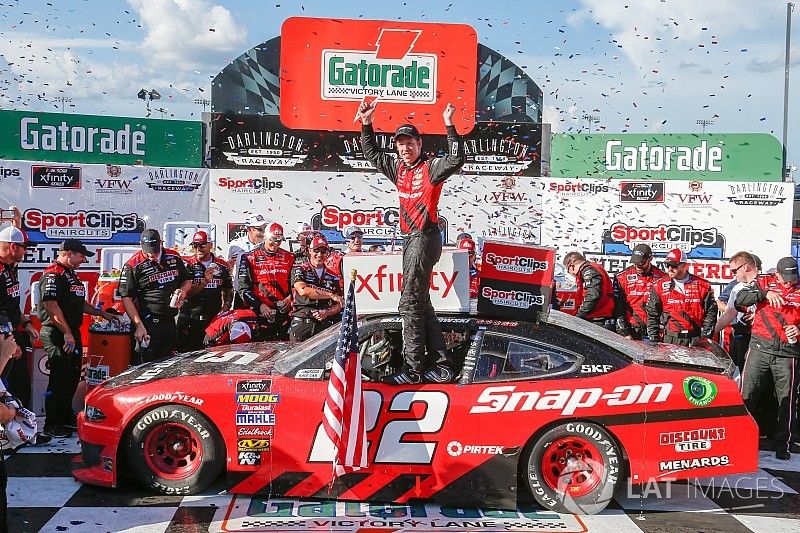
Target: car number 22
[{"x": 391, "y": 448}]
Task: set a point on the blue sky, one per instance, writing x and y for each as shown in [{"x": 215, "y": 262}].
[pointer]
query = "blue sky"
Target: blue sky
[{"x": 639, "y": 65}]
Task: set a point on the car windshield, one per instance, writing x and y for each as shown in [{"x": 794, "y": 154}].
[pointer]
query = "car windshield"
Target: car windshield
[{"x": 323, "y": 341}]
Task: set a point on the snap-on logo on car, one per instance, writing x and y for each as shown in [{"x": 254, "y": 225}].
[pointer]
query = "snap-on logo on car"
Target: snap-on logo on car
[
  {"x": 505, "y": 399},
  {"x": 516, "y": 264},
  {"x": 512, "y": 298}
]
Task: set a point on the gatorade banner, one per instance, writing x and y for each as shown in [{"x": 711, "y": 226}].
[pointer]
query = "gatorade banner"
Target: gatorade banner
[{"x": 411, "y": 70}]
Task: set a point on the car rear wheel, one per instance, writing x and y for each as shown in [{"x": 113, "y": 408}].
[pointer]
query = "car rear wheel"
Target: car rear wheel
[
  {"x": 574, "y": 468},
  {"x": 174, "y": 449}
]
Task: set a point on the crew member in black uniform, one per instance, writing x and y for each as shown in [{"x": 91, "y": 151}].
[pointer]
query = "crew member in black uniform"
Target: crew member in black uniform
[
  {"x": 147, "y": 285},
  {"x": 419, "y": 181},
  {"x": 211, "y": 292},
  {"x": 318, "y": 299},
  {"x": 61, "y": 310},
  {"x": 13, "y": 244}
]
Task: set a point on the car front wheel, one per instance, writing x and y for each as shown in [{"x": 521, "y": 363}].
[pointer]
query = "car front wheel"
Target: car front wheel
[
  {"x": 574, "y": 468},
  {"x": 174, "y": 449}
]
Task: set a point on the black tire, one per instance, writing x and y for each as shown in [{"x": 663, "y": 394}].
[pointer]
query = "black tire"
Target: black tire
[
  {"x": 574, "y": 468},
  {"x": 173, "y": 449}
]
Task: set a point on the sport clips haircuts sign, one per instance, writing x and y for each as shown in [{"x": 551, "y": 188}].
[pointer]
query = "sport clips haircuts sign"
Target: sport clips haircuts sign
[
  {"x": 68, "y": 138},
  {"x": 515, "y": 280},
  {"x": 678, "y": 156},
  {"x": 411, "y": 69}
]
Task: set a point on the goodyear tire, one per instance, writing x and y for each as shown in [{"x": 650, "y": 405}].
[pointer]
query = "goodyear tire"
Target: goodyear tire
[
  {"x": 574, "y": 468},
  {"x": 175, "y": 449}
]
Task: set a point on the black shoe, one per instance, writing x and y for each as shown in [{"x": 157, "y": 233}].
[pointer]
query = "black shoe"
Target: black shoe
[
  {"x": 42, "y": 439},
  {"x": 783, "y": 455},
  {"x": 439, "y": 374},
  {"x": 406, "y": 377},
  {"x": 57, "y": 432}
]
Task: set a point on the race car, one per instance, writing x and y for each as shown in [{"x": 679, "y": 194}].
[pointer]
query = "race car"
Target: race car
[{"x": 559, "y": 409}]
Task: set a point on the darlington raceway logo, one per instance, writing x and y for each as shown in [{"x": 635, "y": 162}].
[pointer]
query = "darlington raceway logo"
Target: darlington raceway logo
[
  {"x": 495, "y": 155},
  {"x": 93, "y": 225},
  {"x": 578, "y": 188},
  {"x": 706, "y": 242},
  {"x": 757, "y": 193},
  {"x": 351, "y": 152},
  {"x": 173, "y": 179},
  {"x": 261, "y": 185},
  {"x": 512, "y": 298},
  {"x": 515, "y": 264},
  {"x": 355, "y": 74},
  {"x": 263, "y": 148}
]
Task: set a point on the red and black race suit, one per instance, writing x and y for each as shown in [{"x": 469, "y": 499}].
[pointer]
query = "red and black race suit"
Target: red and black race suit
[
  {"x": 151, "y": 283},
  {"x": 218, "y": 332},
  {"x": 419, "y": 185},
  {"x": 9, "y": 294},
  {"x": 61, "y": 285},
  {"x": 474, "y": 281},
  {"x": 685, "y": 315},
  {"x": 327, "y": 281},
  {"x": 264, "y": 276},
  {"x": 768, "y": 321},
  {"x": 631, "y": 292},
  {"x": 205, "y": 304},
  {"x": 333, "y": 263},
  {"x": 595, "y": 294}
]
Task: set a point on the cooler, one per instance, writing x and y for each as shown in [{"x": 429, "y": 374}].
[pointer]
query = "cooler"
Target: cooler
[{"x": 109, "y": 354}]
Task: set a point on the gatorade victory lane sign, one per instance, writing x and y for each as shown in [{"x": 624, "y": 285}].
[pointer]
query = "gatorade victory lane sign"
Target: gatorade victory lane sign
[{"x": 412, "y": 69}]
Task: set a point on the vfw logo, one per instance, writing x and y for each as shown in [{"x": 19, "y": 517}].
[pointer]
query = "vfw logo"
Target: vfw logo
[{"x": 392, "y": 72}]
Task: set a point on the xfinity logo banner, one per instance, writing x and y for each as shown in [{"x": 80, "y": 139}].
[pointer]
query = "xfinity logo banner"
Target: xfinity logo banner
[
  {"x": 329, "y": 66},
  {"x": 51, "y": 177},
  {"x": 99, "y": 139},
  {"x": 641, "y": 191}
]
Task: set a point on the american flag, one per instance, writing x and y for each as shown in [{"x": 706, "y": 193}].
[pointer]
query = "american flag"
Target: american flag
[{"x": 344, "y": 407}]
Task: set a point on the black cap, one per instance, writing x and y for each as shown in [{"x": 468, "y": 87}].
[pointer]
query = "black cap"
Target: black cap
[
  {"x": 408, "y": 130},
  {"x": 74, "y": 245},
  {"x": 641, "y": 253},
  {"x": 787, "y": 268},
  {"x": 150, "y": 241}
]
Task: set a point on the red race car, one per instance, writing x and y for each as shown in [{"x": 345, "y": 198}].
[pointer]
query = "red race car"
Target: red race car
[{"x": 561, "y": 410}]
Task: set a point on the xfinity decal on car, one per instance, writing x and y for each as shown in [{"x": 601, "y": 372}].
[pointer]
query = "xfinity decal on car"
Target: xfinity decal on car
[
  {"x": 496, "y": 399},
  {"x": 259, "y": 385}
]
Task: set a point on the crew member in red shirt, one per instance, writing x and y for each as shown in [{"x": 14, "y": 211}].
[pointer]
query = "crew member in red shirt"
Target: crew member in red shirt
[
  {"x": 211, "y": 292},
  {"x": 318, "y": 299},
  {"x": 474, "y": 274},
  {"x": 595, "y": 294},
  {"x": 264, "y": 281},
  {"x": 632, "y": 290},
  {"x": 419, "y": 181},
  {"x": 773, "y": 344},
  {"x": 682, "y": 303}
]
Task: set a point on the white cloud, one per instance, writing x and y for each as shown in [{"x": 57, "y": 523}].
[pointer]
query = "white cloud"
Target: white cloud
[{"x": 188, "y": 34}]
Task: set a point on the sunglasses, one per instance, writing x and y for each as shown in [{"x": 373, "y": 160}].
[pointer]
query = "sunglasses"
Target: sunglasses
[
  {"x": 672, "y": 266},
  {"x": 320, "y": 250},
  {"x": 199, "y": 244},
  {"x": 735, "y": 270}
]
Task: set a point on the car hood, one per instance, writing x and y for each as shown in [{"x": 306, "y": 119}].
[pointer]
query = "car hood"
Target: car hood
[{"x": 252, "y": 358}]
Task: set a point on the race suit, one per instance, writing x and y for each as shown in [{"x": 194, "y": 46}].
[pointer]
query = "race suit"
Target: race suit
[
  {"x": 249, "y": 327},
  {"x": 419, "y": 187},
  {"x": 264, "y": 279},
  {"x": 594, "y": 295},
  {"x": 304, "y": 325},
  {"x": 770, "y": 350},
  {"x": 631, "y": 291},
  {"x": 686, "y": 316},
  {"x": 200, "y": 308}
]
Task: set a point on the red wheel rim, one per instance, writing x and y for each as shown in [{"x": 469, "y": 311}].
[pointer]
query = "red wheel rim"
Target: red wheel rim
[
  {"x": 572, "y": 466},
  {"x": 172, "y": 451}
]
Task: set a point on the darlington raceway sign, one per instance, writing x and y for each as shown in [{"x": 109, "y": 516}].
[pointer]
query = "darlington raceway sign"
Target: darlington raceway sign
[
  {"x": 70, "y": 138},
  {"x": 412, "y": 69},
  {"x": 679, "y": 156}
]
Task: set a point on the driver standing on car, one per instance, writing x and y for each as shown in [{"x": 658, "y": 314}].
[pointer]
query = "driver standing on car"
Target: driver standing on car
[{"x": 419, "y": 181}]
